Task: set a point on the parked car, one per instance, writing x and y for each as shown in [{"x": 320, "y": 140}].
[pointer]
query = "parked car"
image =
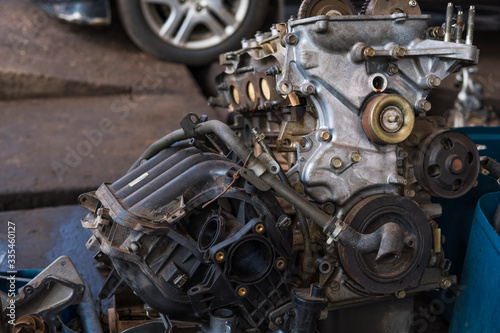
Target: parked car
[{"x": 195, "y": 32}]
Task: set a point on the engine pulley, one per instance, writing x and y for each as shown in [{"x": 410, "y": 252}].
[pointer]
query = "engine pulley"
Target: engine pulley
[
  {"x": 396, "y": 271},
  {"x": 384, "y": 7},
  {"x": 448, "y": 165},
  {"x": 310, "y": 8},
  {"x": 388, "y": 119}
]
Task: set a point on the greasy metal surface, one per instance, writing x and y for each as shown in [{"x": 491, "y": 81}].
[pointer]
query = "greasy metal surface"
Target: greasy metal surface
[
  {"x": 314, "y": 76},
  {"x": 316, "y": 61}
]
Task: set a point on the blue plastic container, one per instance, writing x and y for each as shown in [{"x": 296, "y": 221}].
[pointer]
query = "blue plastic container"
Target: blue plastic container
[{"x": 477, "y": 308}]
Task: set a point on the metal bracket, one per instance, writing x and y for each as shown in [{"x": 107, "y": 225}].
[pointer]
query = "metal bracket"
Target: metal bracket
[
  {"x": 189, "y": 122},
  {"x": 252, "y": 178},
  {"x": 178, "y": 211},
  {"x": 339, "y": 225}
]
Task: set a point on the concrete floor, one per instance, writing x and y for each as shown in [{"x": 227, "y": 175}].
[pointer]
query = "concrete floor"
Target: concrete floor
[{"x": 78, "y": 105}]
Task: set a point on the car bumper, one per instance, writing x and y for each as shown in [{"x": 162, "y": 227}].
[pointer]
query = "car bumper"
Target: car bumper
[{"x": 85, "y": 12}]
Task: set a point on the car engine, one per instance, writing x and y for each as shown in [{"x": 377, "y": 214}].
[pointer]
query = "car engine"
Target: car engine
[{"x": 317, "y": 196}]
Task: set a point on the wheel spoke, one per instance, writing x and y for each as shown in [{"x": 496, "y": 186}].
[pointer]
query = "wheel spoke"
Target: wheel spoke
[
  {"x": 218, "y": 8},
  {"x": 214, "y": 25},
  {"x": 186, "y": 28},
  {"x": 174, "y": 19},
  {"x": 179, "y": 24}
]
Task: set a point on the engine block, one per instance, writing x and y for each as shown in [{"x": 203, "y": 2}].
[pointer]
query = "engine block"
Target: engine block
[{"x": 318, "y": 194}]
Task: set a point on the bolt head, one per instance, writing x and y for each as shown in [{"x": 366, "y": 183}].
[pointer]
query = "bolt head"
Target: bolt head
[
  {"x": 438, "y": 32},
  {"x": 412, "y": 3},
  {"x": 219, "y": 256},
  {"x": 399, "y": 52},
  {"x": 368, "y": 52},
  {"x": 410, "y": 193},
  {"x": 291, "y": 39},
  {"x": 355, "y": 157},
  {"x": 321, "y": 27},
  {"x": 400, "y": 294},
  {"x": 335, "y": 286},
  {"x": 413, "y": 139},
  {"x": 325, "y": 136},
  {"x": 298, "y": 188},
  {"x": 445, "y": 283},
  {"x": 424, "y": 105},
  {"x": 336, "y": 163},
  {"x": 433, "y": 81},
  {"x": 134, "y": 247},
  {"x": 242, "y": 291},
  {"x": 393, "y": 69}
]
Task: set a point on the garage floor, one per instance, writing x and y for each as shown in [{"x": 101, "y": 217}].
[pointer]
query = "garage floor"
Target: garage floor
[{"x": 77, "y": 106}]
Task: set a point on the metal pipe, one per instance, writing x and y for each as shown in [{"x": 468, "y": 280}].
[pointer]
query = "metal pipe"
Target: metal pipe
[
  {"x": 470, "y": 25},
  {"x": 222, "y": 130},
  {"x": 388, "y": 239},
  {"x": 159, "y": 145},
  {"x": 449, "y": 20},
  {"x": 460, "y": 26},
  {"x": 303, "y": 225},
  {"x": 88, "y": 313},
  {"x": 300, "y": 203}
]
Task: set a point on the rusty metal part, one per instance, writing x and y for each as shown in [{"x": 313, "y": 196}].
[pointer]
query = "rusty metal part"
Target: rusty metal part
[
  {"x": 448, "y": 165},
  {"x": 310, "y": 8},
  {"x": 449, "y": 22},
  {"x": 292, "y": 131},
  {"x": 392, "y": 271},
  {"x": 388, "y": 119},
  {"x": 384, "y": 7},
  {"x": 29, "y": 324}
]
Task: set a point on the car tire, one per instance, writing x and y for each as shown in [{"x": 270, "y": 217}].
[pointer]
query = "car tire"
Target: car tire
[{"x": 136, "y": 17}]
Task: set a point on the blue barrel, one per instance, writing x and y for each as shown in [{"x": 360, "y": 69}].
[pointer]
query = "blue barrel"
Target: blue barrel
[{"x": 477, "y": 308}]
